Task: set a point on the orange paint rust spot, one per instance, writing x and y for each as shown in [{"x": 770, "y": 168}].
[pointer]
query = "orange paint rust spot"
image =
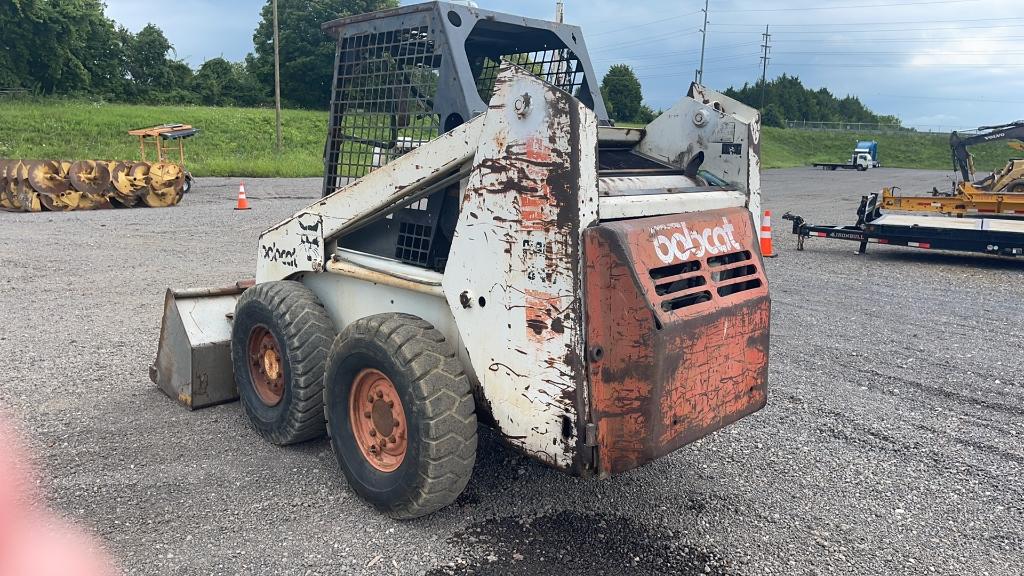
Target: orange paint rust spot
[
  {"x": 538, "y": 317},
  {"x": 538, "y": 149}
]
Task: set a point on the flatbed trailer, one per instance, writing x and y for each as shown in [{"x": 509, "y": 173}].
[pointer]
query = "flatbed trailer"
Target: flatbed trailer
[
  {"x": 997, "y": 236},
  {"x": 838, "y": 166}
]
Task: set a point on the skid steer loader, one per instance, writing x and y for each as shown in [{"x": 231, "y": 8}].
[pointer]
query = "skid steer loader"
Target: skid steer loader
[{"x": 490, "y": 249}]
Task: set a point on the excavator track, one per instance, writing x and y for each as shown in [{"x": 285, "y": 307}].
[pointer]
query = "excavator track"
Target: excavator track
[{"x": 62, "y": 186}]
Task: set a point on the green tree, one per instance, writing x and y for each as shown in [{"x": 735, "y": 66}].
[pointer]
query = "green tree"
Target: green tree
[
  {"x": 307, "y": 54},
  {"x": 58, "y": 46},
  {"x": 786, "y": 98},
  {"x": 222, "y": 83},
  {"x": 146, "y": 61},
  {"x": 622, "y": 93},
  {"x": 772, "y": 116}
]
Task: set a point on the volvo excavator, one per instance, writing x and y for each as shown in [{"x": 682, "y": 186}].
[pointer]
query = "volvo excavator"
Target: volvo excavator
[
  {"x": 1000, "y": 193},
  {"x": 1010, "y": 178}
]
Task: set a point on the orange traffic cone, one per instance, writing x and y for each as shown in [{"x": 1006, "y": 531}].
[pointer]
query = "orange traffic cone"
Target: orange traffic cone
[
  {"x": 243, "y": 202},
  {"x": 766, "y": 235}
]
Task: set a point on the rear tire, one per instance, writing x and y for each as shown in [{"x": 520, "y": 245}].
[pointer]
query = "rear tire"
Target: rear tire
[
  {"x": 279, "y": 343},
  {"x": 420, "y": 381}
]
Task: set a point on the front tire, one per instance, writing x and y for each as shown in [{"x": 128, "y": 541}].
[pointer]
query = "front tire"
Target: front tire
[
  {"x": 400, "y": 414},
  {"x": 279, "y": 343}
]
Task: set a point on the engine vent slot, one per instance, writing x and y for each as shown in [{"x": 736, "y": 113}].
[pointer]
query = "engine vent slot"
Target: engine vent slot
[
  {"x": 731, "y": 258},
  {"x": 674, "y": 270},
  {"x": 733, "y": 273},
  {"x": 731, "y": 289},
  {"x": 679, "y": 285},
  {"x": 683, "y": 278},
  {"x": 686, "y": 301}
]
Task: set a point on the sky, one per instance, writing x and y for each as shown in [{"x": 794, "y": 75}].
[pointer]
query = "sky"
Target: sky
[{"x": 936, "y": 64}]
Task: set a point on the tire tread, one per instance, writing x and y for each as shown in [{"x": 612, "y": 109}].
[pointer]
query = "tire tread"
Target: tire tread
[{"x": 448, "y": 428}]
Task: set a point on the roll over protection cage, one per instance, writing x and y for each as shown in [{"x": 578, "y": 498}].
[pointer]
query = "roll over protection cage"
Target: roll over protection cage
[{"x": 406, "y": 75}]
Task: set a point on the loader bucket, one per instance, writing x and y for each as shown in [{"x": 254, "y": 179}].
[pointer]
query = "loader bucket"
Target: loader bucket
[{"x": 193, "y": 361}]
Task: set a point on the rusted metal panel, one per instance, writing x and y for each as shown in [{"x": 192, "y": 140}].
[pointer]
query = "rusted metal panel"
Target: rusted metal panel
[
  {"x": 677, "y": 331},
  {"x": 514, "y": 278}
]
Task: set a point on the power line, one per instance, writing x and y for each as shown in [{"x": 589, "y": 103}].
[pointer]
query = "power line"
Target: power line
[
  {"x": 900, "y": 53},
  {"x": 887, "y": 22},
  {"x": 644, "y": 41},
  {"x": 889, "y": 67},
  {"x": 847, "y": 6},
  {"x": 635, "y": 26},
  {"x": 943, "y": 99},
  {"x": 672, "y": 53}
]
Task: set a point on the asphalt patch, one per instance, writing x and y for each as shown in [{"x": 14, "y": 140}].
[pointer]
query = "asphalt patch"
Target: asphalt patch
[{"x": 570, "y": 542}]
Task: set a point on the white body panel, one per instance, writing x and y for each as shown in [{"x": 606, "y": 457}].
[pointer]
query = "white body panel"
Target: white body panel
[
  {"x": 726, "y": 131},
  {"x": 516, "y": 259},
  {"x": 616, "y": 207},
  {"x": 298, "y": 244}
]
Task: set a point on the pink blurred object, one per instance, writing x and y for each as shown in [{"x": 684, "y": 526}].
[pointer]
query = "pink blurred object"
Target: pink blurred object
[{"x": 33, "y": 541}]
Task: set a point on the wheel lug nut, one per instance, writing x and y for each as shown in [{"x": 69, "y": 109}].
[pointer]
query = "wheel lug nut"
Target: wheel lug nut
[
  {"x": 383, "y": 443},
  {"x": 367, "y": 414},
  {"x": 391, "y": 404},
  {"x": 380, "y": 394},
  {"x": 370, "y": 399},
  {"x": 392, "y": 440},
  {"x": 373, "y": 432}
]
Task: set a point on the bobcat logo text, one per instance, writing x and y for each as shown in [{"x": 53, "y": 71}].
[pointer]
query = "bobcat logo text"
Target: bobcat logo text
[{"x": 684, "y": 244}]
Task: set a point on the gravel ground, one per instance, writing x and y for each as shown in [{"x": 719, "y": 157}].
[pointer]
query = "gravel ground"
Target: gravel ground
[{"x": 892, "y": 442}]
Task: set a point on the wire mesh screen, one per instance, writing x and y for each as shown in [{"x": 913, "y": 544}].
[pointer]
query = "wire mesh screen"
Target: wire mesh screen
[
  {"x": 383, "y": 100},
  {"x": 560, "y": 68}
]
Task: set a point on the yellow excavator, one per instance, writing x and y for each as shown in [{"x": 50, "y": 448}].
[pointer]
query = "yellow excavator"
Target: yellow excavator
[{"x": 1001, "y": 192}]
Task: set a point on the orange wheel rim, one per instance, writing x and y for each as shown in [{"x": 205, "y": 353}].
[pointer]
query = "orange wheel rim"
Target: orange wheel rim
[
  {"x": 265, "y": 367},
  {"x": 378, "y": 420}
]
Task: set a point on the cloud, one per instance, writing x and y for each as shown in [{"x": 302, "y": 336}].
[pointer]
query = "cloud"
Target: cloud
[{"x": 916, "y": 59}]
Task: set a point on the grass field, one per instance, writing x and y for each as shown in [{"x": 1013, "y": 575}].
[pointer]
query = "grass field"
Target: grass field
[
  {"x": 240, "y": 141},
  {"x": 232, "y": 142},
  {"x": 786, "y": 148}
]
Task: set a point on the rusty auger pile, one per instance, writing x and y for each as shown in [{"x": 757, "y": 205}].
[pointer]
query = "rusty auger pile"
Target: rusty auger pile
[{"x": 60, "y": 186}]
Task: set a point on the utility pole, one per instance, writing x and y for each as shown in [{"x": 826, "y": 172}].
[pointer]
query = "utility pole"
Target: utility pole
[
  {"x": 766, "y": 47},
  {"x": 699, "y": 76},
  {"x": 277, "y": 78}
]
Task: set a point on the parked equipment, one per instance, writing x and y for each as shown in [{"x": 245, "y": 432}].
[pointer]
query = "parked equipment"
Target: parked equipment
[
  {"x": 1009, "y": 179},
  {"x": 503, "y": 256},
  {"x": 997, "y": 236},
  {"x": 999, "y": 194},
  {"x": 865, "y": 155},
  {"x": 59, "y": 186},
  {"x": 968, "y": 202}
]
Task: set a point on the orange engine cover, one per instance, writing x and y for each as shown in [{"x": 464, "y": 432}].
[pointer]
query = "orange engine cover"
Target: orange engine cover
[{"x": 677, "y": 331}]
